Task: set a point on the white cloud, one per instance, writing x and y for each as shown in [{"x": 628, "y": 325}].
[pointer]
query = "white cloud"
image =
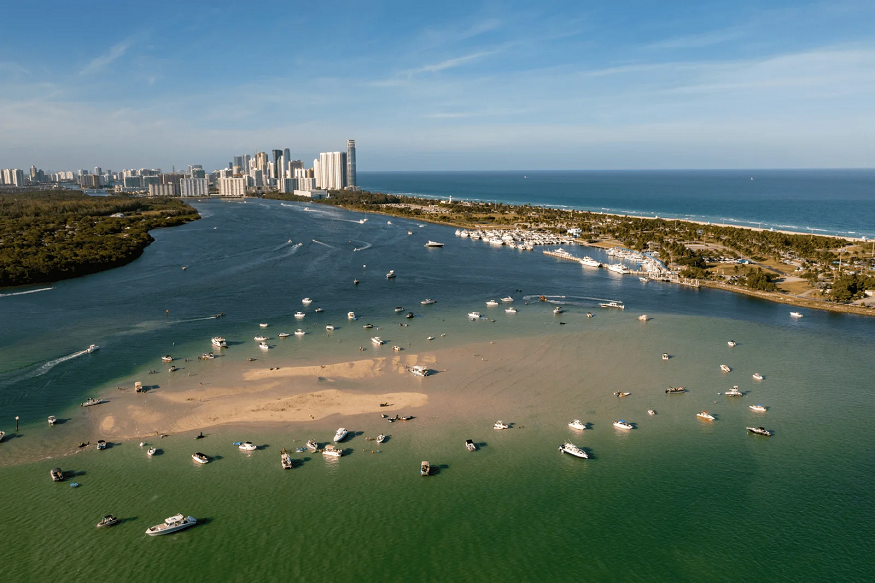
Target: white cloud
[{"x": 115, "y": 52}]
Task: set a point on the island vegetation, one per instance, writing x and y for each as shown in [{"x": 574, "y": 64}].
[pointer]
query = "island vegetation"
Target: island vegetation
[{"x": 48, "y": 236}]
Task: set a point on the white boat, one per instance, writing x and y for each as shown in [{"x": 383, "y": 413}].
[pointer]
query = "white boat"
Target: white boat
[
  {"x": 464, "y": 234},
  {"x": 263, "y": 346},
  {"x": 757, "y": 376},
  {"x": 299, "y": 332},
  {"x": 558, "y": 310},
  {"x": 589, "y": 262},
  {"x": 318, "y": 310},
  {"x": 151, "y": 451},
  {"x": 286, "y": 460},
  {"x": 430, "y": 338},
  {"x": 491, "y": 303},
  {"x": 474, "y": 315},
  {"x": 368, "y": 326},
  {"x": 377, "y": 340},
  {"x": 470, "y": 445},
  {"x": 312, "y": 445},
  {"x": 91, "y": 401},
  {"x": 391, "y": 274},
  {"x": 263, "y": 325},
  {"x": 434, "y": 244},
  {"x": 283, "y": 334},
  {"x": 507, "y": 300},
  {"x": 331, "y": 451},
  {"x": 760, "y": 431},
  {"x": 399, "y": 309},
  {"x": 621, "y": 424},
  {"x": 101, "y": 444},
  {"x": 200, "y": 458},
  {"x": 511, "y": 310},
  {"x": 92, "y": 348},
  {"x": 643, "y": 279},
  {"x": 219, "y": 342},
  {"x": 705, "y": 415},
  {"x": 758, "y": 408},
  {"x": 247, "y": 446},
  {"x": 381, "y": 438},
  {"x": 52, "y": 420},
  {"x": 167, "y": 358},
  {"x": 419, "y": 370},
  {"x": 396, "y": 348},
  {"x": 733, "y": 392},
  {"x": 795, "y": 314},
  {"x": 428, "y": 301},
  {"x": 731, "y": 343},
  {"x": 350, "y": 315},
  {"x": 299, "y": 315},
  {"x": 172, "y": 524},
  {"x": 500, "y": 425},
  {"x": 651, "y": 412},
  {"x": 329, "y": 327},
  {"x": 172, "y": 369},
  {"x": 577, "y": 424},
  {"x": 260, "y": 338},
  {"x": 108, "y": 520},
  {"x": 424, "y": 468},
  {"x": 569, "y": 447},
  {"x": 618, "y": 268},
  {"x": 306, "y": 301},
  {"x": 340, "y": 435},
  {"x": 725, "y": 368},
  {"x": 56, "y": 473},
  {"x": 643, "y": 317},
  {"x": 665, "y": 356},
  {"x": 616, "y": 305}
]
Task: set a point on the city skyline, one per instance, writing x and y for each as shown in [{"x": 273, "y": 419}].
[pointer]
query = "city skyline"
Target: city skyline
[{"x": 489, "y": 86}]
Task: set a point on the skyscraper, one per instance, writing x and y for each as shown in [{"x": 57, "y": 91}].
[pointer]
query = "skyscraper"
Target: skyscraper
[
  {"x": 332, "y": 167},
  {"x": 277, "y": 154},
  {"x": 350, "y": 163}
]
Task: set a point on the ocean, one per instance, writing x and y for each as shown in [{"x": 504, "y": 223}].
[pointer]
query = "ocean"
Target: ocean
[{"x": 675, "y": 499}]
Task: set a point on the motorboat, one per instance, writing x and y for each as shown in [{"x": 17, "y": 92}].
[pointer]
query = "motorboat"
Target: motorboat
[
  {"x": 167, "y": 358},
  {"x": 391, "y": 274},
  {"x": 725, "y": 368},
  {"x": 705, "y": 415},
  {"x": 621, "y": 394},
  {"x": 380, "y": 438},
  {"x": 589, "y": 314},
  {"x": 409, "y": 315},
  {"x": 665, "y": 356},
  {"x": 260, "y": 338},
  {"x": 758, "y": 408},
  {"x": 672, "y": 390},
  {"x": 91, "y": 401},
  {"x": 733, "y": 392},
  {"x": 200, "y": 458},
  {"x": 511, "y": 310},
  {"x": 643, "y": 317},
  {"x": 569, "y": 447},
  {"x": 377, "y": 340},
  {"x": 151, "y": 451},
  {"x": 577, "y": 424},
  {"x": 643, "y": 279},
  {"x": 430, "y": 338},
  {"x": 57, "y": 474},
  {"x": 52, "y": 420},
  {"x": 172, "y": 369},
  {"x": 616, "y": 305},
  {"x": 306, "y": 301},
  {"x": 757, "y": 376},
  {"x": 397, "y": 348},
  {"x": 299, "y": 315},
  {"x": 318, "y": 310},
  {"x": 424, "y": 468},
  {"x": 368, "y": 326},
  {"x": 795, "y": 315},
  {"x": 312, "y": 445},
  {"x": 651, "y": 412},
  {"x": 500, "y": 425},
  {"x": 399, "y": 309},
  {"x": 263, "y": 325},
  {"x": 588, "y": 261},
  {"x": 618, "y": 268},
  {"x": 263, "y": 346},
  {"x": 428, "y": 301},
  {"x": 340, "y": 435},
  {"x": 283, "y": 334},
  {"x": 474, "y": 315},
  {"x": 286, "y": 460},
  {"x": 760, "y": 431},
  {"x": 299, "y": 332},
  {"x": 491, "y": 303},
  {"x": 419, "y": 370},
  {"x": 108, "y": 520},
  {"x": 219, "y": 342},
  {"x": 332, "y": 451},
  {"x": 101, "y": 444},
  {"x": 350, "y": 315},
  {"x": 621, "y": 424},
  {"x": 434, "y": 244},
  {"x": 92, "y": 348},
  {"x": 172, "y": 524},
  {"x": 731, "y": 343},
  {"x": 507, "y": 300},
  {"x": 469, "y": 445},
  {"x": 329, "y": 327},
  {"x": 558, "y": 310}
]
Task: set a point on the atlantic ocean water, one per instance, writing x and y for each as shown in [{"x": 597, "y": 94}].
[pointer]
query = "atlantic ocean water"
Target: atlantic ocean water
[{"x": 675, "y": 499}]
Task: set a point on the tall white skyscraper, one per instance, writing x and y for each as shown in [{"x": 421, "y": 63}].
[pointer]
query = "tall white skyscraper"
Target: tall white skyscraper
[{"x": 332, "y": 166}]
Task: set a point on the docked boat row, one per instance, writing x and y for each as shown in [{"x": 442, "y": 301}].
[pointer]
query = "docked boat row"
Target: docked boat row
[{"x": 522, "y": 239}]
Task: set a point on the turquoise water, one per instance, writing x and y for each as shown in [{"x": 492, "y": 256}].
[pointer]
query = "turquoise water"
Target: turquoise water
[{"x": 675, "y": 499}]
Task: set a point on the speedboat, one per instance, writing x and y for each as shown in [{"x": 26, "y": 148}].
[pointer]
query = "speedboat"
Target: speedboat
[
  {"x": 757, "y": 376},
  {"x": 419, "y": 370},
  {"x": 676, "y": 390},
  {"x": 731, "y": 343},
  {"x": 368, "y": 326},
  {"x": 733, "y": 392},
  {"x": 306, "y": 301},
  {"x": 329, "y": 327},
  {"x": 299, "y": 332},
  {"x": 430, "y": 338},
  {"x": 263, "y": 346},
  {"x": 312, "y": 445},
  {"x": 434, "y": 244},
  {"x": 167, "y": 358},
  {"x": 621, "y": 424},
  {"x": 172, "y": 524},
  {"x": 725, "y": 368},
  {"x": 350, "y": 315},
  {"x": 500, "y": 425},
  {"x": 795, "y": 315},
  {"x": 200, "y": 458},
  {"x": 424, "y": 468},
  {"x": 283, "y": 334},
  {"x": 474, "y": 315},
  {"x": 381, "y": 438},
  {"x": 643, "y": 317},
  {"x": 92, "y": 348},
  {"x": 617, "y": 305},
  {"x": 332, "y": 451},
  {"x": 263, "y": 325},
  {"x": 340, "y": 435},
  {"x": 507, "y": 300},
  {"x": 469, "y": 445},
  {"x": 491, "y": 303},
  {"x": 219, "y": 342},
  {"x": 299, "y": 315},
  {"x": 643, "y": 279},
  {"x": 705, "y": 415},
  {"x": 569, "y": 447},
  {"x": 57, "y": 474},
  {"x": 108, "y": 520},
  {"x": 101, "y": 444},
  {"x": 409, "y": 315},
  {"x": 621, "y": 394},
  {"x": 172, "y": 369},
  {"x": 399, "y": 309},
  {"x": 758, "y": 408},
  {"x": 589, "y": 314},
  {"x": 260, "y": 338},
  {"x": 665, "y": 356},
  {"x": 651, "y": 412},
  {"x": 286, "y": 460},
  {"x": 511, "y": 310},
  {"x": 391, "y": 274},
  {"x": 318, "y": 310},
  {"x": 558, "y": 310},
  {"x": 52, "y": 420},
  {"x": 396, "y": 348},
  {"x": 428, "y": 301},
  {"x": 760, "y": 431},
  {"x": 91, "y": 401},
  {"x": 377, "y": 340},
  {"x": 151, "y": 451},
  {"x": 577, "y": 424},
  {"x": 247, "y": 446}
]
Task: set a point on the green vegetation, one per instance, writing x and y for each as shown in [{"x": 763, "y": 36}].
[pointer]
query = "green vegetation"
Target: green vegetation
[
  {"x": 52, "y": 235},
  {"x": 851, "y": 287}
]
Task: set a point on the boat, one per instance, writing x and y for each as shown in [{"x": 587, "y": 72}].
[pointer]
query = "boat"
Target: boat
[
  {"x": 795, "y": 314},
  {"x": 247, "y": 446},
  {"x": 368, "y": 326},
  {"x": 491, "y": 303},
  {"x": 760, "y": 431},
  {"x": 757, "y": 376},
  {"x": 263, "y": 346},
  {"x": 396, "y": 348},
  {"x": 651, "y": 412},
  {"x": 419, "y": 370},
  {"x": 306, "y": 301},
  {"x": 391, "y": 274},
  {"x": 474, "y": 315},
  {"x": 151, "y": 451},
  {"x": 500, "y": 425},
  {"x": 733, "y": 392},
  {"x": 108, "y": 520},
  {"x": 57, "y": 474},
  {"x": 643, "y": 279},
  {"x": 355, "y": 282},
  {"x": 260, "y": 338},
  {"x": 731, "y": 343},
  {"x": 340, "y": 435},
  {"x": 318, "y": 310},
  {"x": 172, "y": 369},
  {"x": 263, "y": 325},
  {"x": 381, "y": 438},
  {"x": 91, "y": 401},
  {"x": 399, "y": 309},
  {"x": 409, "y": 315},
  {"x": 725, "y": 368},
  {"x": 286, "y": 460},
  {"x": 219, "y": 342},
  {"x": 589, "y": 314},
  {"x": 299, "y": 332},
  {"x": 101, "y": 444},
  {"x": 167, "y": 358},
  {"x": 588, "y": 261},
  {"x": 758, "y": 408},
  {"x": 434, "y": 244},
  {"x": 52, "y": 420},
  {"x": 469, "y": 445},
  {"x": 331, "y": 451},
  {"x": 207, "y": 356},
  {"x": 428, "y": 301},
  {"x": 200, "y": 458},
  {"x": 377, "y": 340},
  {"x": 643, "y": 317},
  {"x": 430, "y": 338},
  {"x": 299, "y": 315},
  {"x": 329, "y": 327},
  {"x": 616, "y": 305},
  {"x": 92, "y": 348},
  {"x": 676, "y": 390},
  {"x": 511, "y": 310},
  {"x": 665, "y": 356},
  {"x": 312, "y": 445},
  {"x": 173, "y": 524},
  {"x": 558, "y": 310},
  {"x": 283, "y": 334},
  {"x": 618, "y": 268},
  {"x": 507, "y": 300},
  {"x": 622, "y": 424},
  {"x": 577, "y": 424},
  {"x": 705, "y": 415},
  {"x": 569, "y": 447},
  {"x": 350, "y": 315},
  {"x": 621, "y": 394},
  {"x": 424, "y": 468}
]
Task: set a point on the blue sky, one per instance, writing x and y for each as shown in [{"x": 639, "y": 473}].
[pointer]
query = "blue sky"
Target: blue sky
[{"x": 450, "y": 85}]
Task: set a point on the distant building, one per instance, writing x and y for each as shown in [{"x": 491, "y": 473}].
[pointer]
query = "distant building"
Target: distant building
[
  {"x": 350, "y": 163},
  {"x": 132, "y": 182},
  {"x": 314, "y": 194},
  {"x": 164, "y": 189},
  {"x": 332, "y": 171},
  {"x": 89, "y": 181},
  {"x": 306, "y": 183},
  {"x": 277, "y": 154},
  {"x": 194, "y": 187},
  {"x": 232, "y": 186}
]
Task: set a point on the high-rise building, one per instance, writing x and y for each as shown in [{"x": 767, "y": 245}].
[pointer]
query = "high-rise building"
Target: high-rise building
[
  {"x": 350, "y": 163},
  {"x": 232, "y": 186},
  {"x": 238, "y": 162},
  {"x": 277, "y": 154},
  {"x": 170, "y": 189},
  {"x": 287, "y": 156},
  {"x": 332, "y": 169},
  {"x": 261, "y": 161},
  {"x": 194, "y": 186}
]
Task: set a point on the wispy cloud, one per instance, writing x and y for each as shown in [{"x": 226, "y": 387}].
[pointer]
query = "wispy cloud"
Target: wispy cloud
[
  {"x": 115, "y": 52},
  {"x": 697, "y": 41},
  {"x": 449, "y": 63},
  {"x": 13, "y": 68}
]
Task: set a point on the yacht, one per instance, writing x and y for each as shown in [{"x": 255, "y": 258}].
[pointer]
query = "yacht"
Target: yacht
[
  {"x": 491, "y": 303},
  {"x": 618, "y": 268},
  {"x": 263, "y": 325},
  {"x": 725, "y": 368},
  {"x": 340, "y": 435},
  {"x": 299, "y": 332},
  {"x": 57, "y": 474},
  {"x": 52, "y": 420},
  {"x": 350, "y": 315},
  {"x": 464, "y": 234},
  {"x": 101, "y": 444},
  {"x": 651, "y": 412},
  {"x": 419, "y": 370},
  {"x": 558, "y": 310},
  {"x": 260, "y": 338},
  {"x": 167, "y": 358},
  {"x": 511, "y": 310},
  {"x": 757, "y": 376},
  {"x": 589, "y": 262},
  {"x": 507, "y": 300},
  {"x": 200, "y": 458},
  {"x": 381, "y": 438},
  {"x": 569, "y": 447},
  {"x": 617, "y": 305},
  {"x": 399, "y": 309},
  {"x": 329, "y": 327},
  {"x": 331, "y": 451},
  {"x": 733, "y": 392},
  {"x": 283, "y": 334},
  {"x": 474, "y": 315},
  {"x": 263, "y": 346},
  {"x": 286, "y": 460},
  {"x": 795, "y": 314},
  {"x": 760, "y": 431},
  {"x": 758, "y": 408},
  {"x": 377, "y": 340},
  {"x": 299, "y": 315},
  {"x": 108, "y": 520},
  {"x": 665, "y": 356},
  {"x": 577, "y": 424},
  {"x": 705, "y": 415},
  {"x": 500, "y": 425},
  {"x": 151, "y": 451},
  {"x": 219, "y": 342},
  {"x": 247, "y": 446},
  {"x": 312, "y": 445},
  {"x": 91, "y": 401},
  {"x": 643, "y": 317},
  {"x": 434, "y": 244},
  {"x": 428, "y": 301},
  {"x": 424, "y": 468},
  {"x": 92, "y": 348},
  {"x": 172, "y": 524},
  {"x": 676, "y": 390},
  {"x": 391, "y": 274},
  {"x": 621, "y": 424},
  {"x": 731, "y": 343},
  {"x": 306, "y": 301}
]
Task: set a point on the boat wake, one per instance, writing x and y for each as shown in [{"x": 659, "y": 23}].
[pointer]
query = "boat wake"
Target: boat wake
[
  {"x": 325, "y": 244},
  {"x": 570, "y": 300},
  {"x": 32, "y": 291},
  {"x": 367, "y": 245},
  {"x": 35, "y": 370}
]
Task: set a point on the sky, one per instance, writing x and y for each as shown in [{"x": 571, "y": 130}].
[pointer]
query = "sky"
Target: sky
[{"x": 492, "y": 85}]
